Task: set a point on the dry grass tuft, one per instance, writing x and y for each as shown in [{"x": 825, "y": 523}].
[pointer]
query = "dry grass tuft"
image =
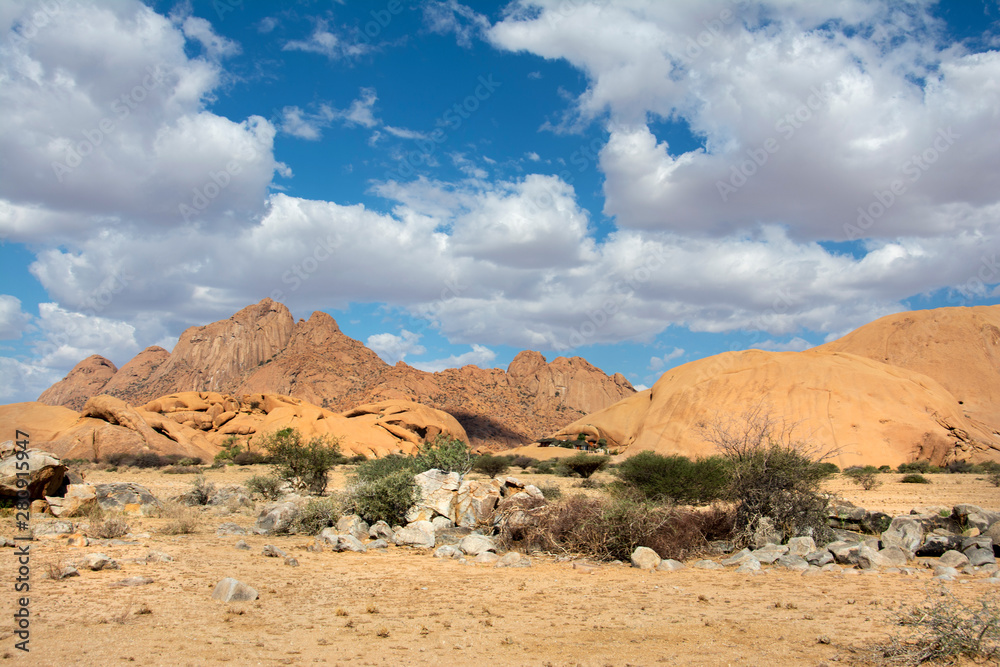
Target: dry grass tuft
[
  {"x": 182, "y": 520},
  {"x": 110, "y": 528},
  {"x": 943, "y": 629}
]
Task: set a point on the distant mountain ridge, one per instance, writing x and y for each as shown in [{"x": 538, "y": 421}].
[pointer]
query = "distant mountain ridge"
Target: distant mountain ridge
[{"x": 262, "y": 349}]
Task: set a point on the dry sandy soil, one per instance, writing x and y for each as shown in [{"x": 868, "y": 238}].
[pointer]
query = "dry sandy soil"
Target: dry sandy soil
[{"x": 403, "y": 607}]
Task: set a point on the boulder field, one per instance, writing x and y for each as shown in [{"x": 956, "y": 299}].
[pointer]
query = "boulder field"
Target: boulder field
[{"x": 196, "y": 424}]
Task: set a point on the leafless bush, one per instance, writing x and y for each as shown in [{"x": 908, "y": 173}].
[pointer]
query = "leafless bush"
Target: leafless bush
[
  {"x": 943, "y": 628},
  {"x": 771, "y": 474},
  {"x": 182, "y": 520},
  {"x": 611, "y": 527},
  {"x": 109, "y": 529}
]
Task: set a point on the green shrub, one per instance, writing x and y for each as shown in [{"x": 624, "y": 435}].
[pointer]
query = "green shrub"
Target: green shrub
[
  {"x": 551, "y": 491},
  {"x": 915, "y": 466},
  {"x": 771, "y": 476},
  {"x": 584, "y": 465},
  {"x": 994, "y": 478},
  {"x": 230, "y": 448},
  {"x": 828, "y": 469},
  {"x": 304, "y": 465},
  {"x": 866, "y": 477},
  {"x": 914, "y": 478},
  {"x": 675, "y": 478},
  {"x": 546, "y": 467},
  {"x": 884, "y": 468},
  {"x": 491, "y": 465},
  {"x": 356, "y": 459},
  {"x": 201, "y": 490},
  {"x": 964, "y": 468},
  {"x": 249, "y": 458},
  {"x": 149, "y": 460},
  {"x": 189, "y": 461},
  {"x": 523, "y": 462},
  {"x": 266, "y": 486},
  {"x": 447, "y": 454},
  {"x": 118, "y": 459},
  {"x": 373, "y": 469},
  {"x": 990, "y": 466},
  {"x": 317, "y": 515},
  {"x": 182, "y": 470},
  {"x": 76, "y": 463},
  {"x": 384, "y": 498}
]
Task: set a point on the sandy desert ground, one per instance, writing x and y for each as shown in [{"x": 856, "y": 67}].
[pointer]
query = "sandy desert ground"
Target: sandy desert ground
[{"x": 404, "y": 607}]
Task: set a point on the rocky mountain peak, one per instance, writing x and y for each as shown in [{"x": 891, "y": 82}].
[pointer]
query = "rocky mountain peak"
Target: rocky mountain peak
[
  {"x": 262, "y": 349},
  {"x": 86, "y": 379}
]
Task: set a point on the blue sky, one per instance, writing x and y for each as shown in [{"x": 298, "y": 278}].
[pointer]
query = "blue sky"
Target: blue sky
[{"x": 637, "y": 182}]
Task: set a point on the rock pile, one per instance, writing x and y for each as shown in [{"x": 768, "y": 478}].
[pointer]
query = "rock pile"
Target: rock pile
[
  {"x": 961, "y": 540},
  {"x": 465, "y": 502}
]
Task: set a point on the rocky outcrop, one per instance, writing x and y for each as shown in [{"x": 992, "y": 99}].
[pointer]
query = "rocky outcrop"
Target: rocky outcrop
[
  {"x": 88, "y": 378},
  {"x": 45, "y": 473},
  {"x": 131, "y": 378},
  {"x": 108, "y": 426},
  {"x": 377, "y": 429},
  {"x": 959, "y": 348},
  {"x": 469, "y": 503},
  {"x": 568, "y": 382},
  {"x": 874, "y": 413},
  {"x": 233, "y": 590},
  {"x": 196, "y": 424},
  {"x": 262, "y": 350},
  {"x": 218, "y": 356}
]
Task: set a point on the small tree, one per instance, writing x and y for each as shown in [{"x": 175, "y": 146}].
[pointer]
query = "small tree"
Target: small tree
[
  {"x": 585, "y": 465},
  {"x": 772, "y": 475},
  {"x": 866, "y": 477},
  {"x": 447, "y": 454},
  {"x": 304, "y": 465},
  {"x": 385, "y": 498},
  {"x": 230, "y": 448},
  {"x": 266, "y": 486},
  {"x": 491, "y": 465}
]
